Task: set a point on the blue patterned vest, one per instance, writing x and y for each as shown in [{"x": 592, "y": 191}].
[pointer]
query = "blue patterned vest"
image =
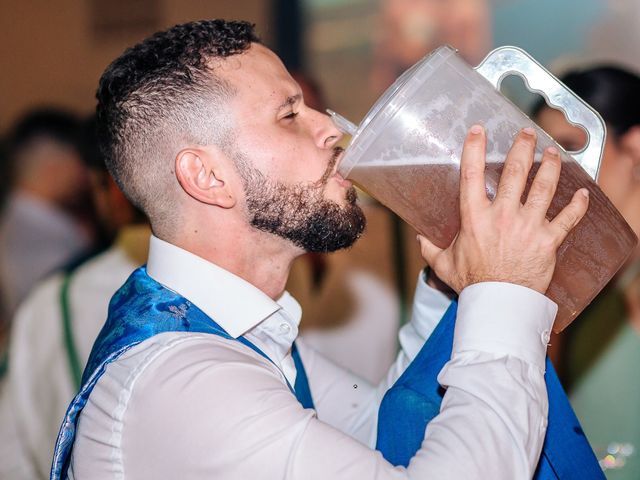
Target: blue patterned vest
[
  {"x": 141, "y": 309},
  {"x": 415, "y": 399}
]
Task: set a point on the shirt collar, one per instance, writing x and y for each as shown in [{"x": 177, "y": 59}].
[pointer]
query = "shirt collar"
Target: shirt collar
[{"x": 235, "y": 304}]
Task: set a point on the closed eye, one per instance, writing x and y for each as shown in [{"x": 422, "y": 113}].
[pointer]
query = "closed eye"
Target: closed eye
[{"x": 289, "y": 106}]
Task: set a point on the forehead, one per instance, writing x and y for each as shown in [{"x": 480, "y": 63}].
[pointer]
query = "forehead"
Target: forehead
[
  {"x": 556, "y": 123},
  {"x": 258, "y": 76}
]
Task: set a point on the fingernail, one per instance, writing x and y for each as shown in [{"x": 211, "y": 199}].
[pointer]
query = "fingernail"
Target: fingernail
[
  {"x": 584, "y": 192},
  {"x": 552, "y": 151},
  {"x": 529, "y": 131},
  {"x": 418, "y": 238},
  {"x": 476, "y": 129}
]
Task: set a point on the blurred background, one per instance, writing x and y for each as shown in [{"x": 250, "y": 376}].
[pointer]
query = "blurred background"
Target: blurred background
[
  {"x": 344, "y": 53},
  {"x": 54, "y": 52}
]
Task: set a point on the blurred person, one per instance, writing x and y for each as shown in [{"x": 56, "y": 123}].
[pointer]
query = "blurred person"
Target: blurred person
[
  {"x": 349, "y": 295},
  {"x": 197, "y": 372},
  {"x": 600, "y": 352},
  {"x": 55, "y": 326},
  {"x": 410, "y": 29},
  {"x": 46, "y": 220}
]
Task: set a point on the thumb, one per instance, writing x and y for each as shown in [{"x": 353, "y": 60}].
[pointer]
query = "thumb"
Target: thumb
[{"x": 429, "y": 251}]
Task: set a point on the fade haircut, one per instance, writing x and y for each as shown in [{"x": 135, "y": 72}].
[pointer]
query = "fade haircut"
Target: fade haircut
[{"x": 160, "y": 96}]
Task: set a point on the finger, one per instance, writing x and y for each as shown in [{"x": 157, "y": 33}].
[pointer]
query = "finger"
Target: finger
[
  {"x": 516, "y": 168},
  {"x": 472, "y": 182},
  {"x": 429, "y": 251},
  {"x": 570, "y": 215},
  {"x": 544, "y": 185}
]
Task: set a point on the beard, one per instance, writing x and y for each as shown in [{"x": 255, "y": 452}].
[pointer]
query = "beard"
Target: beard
[{"x": 299, "y": 212}]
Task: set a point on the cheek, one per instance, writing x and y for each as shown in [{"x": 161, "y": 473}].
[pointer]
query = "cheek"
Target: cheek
[
  {"x": 607, "y": 182},
  {"x": 281, "y": 162},
  {"x": 68, "y": 175},
  {"x": 287, "y": 160},
  {"x": 615, "y": 176},
  {"x": 78, "y": 178}
]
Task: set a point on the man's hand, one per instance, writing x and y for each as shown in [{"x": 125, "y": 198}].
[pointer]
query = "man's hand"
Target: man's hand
[{"x": 504, "y": 240}]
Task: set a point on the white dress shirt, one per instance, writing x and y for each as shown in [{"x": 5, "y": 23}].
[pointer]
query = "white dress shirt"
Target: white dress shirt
[{"x": 197, "y": 406}]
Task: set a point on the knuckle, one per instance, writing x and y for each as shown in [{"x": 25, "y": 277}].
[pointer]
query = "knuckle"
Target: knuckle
[
  {"x": 549, "y": 244},
  {"x": 542, "y": 187},
  {"x": 503, "y": 219},
  {"x": 566, "y": 223},
  {"x": 472, "y": 149},
  {"x": 513, "y": 169},
  {"x": 573, "y": 213},
  {"x": 535, "y": 202},
  {"x": 469, "y": 173},
  {"x": 507, "y": 190}
]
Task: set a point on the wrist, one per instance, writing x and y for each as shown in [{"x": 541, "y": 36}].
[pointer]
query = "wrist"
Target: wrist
[{"x": 436, "y": 283}]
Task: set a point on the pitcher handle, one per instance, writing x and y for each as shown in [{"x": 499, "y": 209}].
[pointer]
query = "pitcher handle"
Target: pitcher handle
[{"x": 505, "y": 61}]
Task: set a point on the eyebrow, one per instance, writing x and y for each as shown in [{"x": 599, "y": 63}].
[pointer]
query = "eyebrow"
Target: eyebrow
[{"x": 289, "y": 101}]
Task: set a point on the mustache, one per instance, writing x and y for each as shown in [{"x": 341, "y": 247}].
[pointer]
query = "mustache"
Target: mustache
[{"x": 332, "y": 163}]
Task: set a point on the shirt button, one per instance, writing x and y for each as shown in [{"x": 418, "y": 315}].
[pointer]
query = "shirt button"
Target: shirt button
[
  {"x": 545, "y": 336},
  {"x": 285, "y": 328}
]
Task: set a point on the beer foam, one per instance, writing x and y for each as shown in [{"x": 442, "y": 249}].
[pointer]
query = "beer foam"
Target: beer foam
[{"x": 408, "y": 162}]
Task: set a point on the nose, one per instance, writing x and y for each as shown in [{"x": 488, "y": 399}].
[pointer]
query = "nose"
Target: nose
[{"x": 325, "y": 132}]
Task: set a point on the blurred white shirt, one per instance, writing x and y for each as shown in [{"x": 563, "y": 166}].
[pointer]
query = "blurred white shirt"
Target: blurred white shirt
[{"x": 196, "y": 406}]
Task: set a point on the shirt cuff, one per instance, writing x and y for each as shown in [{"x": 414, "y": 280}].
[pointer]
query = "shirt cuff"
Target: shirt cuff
[{"x": 504, "y": 319}]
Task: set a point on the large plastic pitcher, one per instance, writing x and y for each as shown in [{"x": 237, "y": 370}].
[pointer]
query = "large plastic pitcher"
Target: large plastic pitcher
[{"x": 406, "y": 153}]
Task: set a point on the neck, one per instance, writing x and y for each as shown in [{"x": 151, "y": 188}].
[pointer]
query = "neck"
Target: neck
[{"x": 260, "y": 258}]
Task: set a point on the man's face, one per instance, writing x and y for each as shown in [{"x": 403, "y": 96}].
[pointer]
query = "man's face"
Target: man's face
[
  {"x": 287, "y": 157},
  {"x": 60, "y": 165}
]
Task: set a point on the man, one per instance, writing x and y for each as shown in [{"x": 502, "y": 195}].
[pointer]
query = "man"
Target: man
[
  {"x": 41, "y": 227},
  {"x": 195, "y": 374},
  {"x": 55, "y": 327}
]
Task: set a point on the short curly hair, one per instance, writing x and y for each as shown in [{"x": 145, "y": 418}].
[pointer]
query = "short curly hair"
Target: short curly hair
[{"x": 160, "y": 95}]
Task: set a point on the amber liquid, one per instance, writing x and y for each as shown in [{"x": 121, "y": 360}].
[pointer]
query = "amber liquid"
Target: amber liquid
[{"x": 426, "y": 196}]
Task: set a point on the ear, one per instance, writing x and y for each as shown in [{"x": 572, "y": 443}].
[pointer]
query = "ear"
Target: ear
[{"x": 203, "y": 173}]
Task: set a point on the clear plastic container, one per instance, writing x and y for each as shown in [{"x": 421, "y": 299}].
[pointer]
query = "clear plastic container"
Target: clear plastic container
[{"x": 406, "y": 153}]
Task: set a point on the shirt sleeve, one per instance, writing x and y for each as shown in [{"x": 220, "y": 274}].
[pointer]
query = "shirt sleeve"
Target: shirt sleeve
[{"x": 501, "y": 334}]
